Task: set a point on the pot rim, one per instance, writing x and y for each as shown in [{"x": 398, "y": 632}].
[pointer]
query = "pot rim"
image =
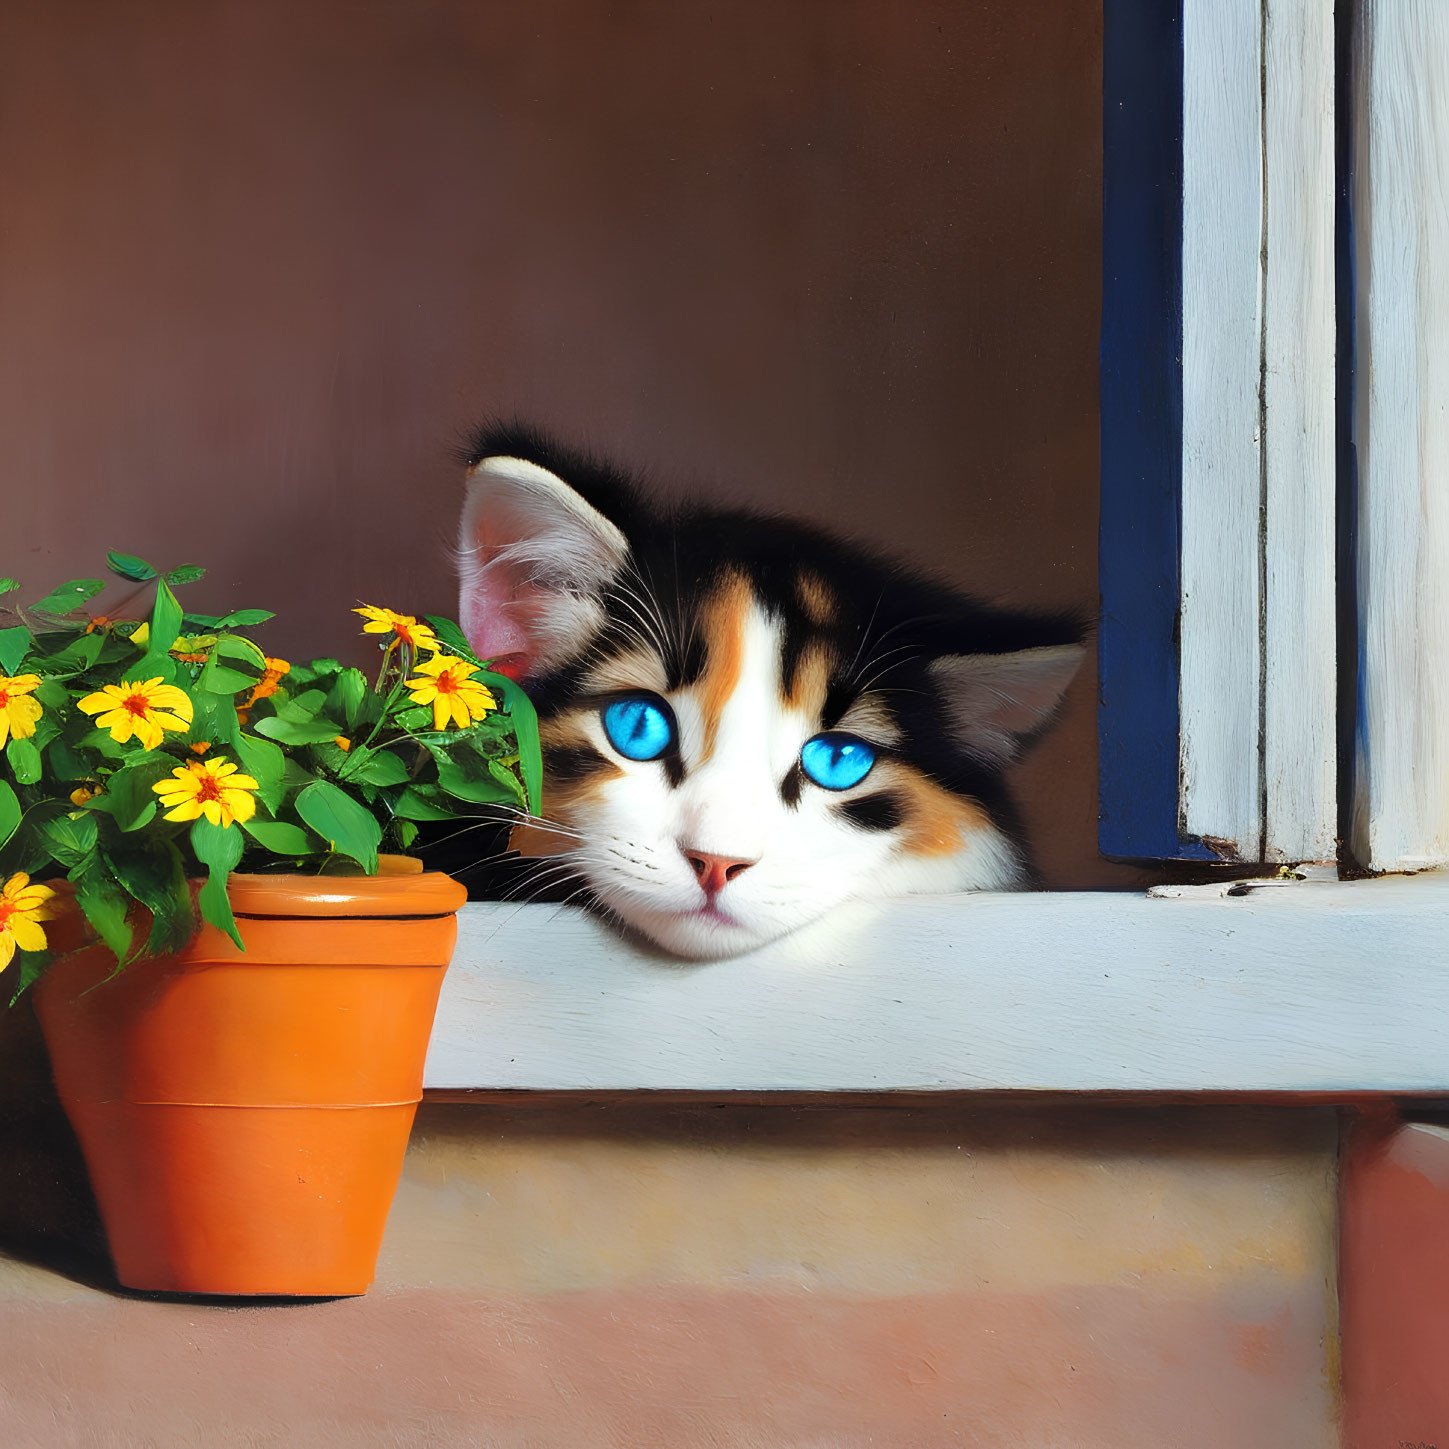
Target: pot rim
[
  {"x": 288, "y": 895},
  {"x": 429, "y": 893}
]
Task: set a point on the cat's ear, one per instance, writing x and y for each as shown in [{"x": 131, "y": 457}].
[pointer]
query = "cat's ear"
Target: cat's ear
[
  {"x": 534, "y": 559},
  {"x": 996, "y": 703}
]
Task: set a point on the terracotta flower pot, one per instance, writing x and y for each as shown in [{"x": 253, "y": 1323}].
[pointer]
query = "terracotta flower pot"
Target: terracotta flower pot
[{"x": 244, "y": 1114}]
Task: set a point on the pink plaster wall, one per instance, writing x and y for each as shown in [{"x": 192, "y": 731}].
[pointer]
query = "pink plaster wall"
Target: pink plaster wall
[{"x": 710, "y": 1275}]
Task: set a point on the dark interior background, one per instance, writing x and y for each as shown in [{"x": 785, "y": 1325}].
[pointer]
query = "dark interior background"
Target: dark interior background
[{"x": 263, "y": 264}]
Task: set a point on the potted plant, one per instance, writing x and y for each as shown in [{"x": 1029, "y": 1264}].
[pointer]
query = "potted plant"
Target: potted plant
[{"x": 235, "y": 978}]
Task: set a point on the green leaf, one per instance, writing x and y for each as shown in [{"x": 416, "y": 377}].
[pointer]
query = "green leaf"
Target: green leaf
[
  {"x": 450, "y": 634},
  {"x": 66, "y": 764},
  {"x": 28, "y": 850},
  {"x": 300, "y": 707},
  {"x": 218, "y": 848},
  {"x": 25, "y": 762},
  {"x": 46, "y": 729},
  {"x": 213, "y": 719},
  {"x": 69, "y": 596},
  {"x": 129, "y": 798},
  {"x": 186, "y": 574},
  {"x": 152, "y": 871},
  {"x": 14, "y": 646},
  {"x": 525, "y": 723},
  {"x": 78, "y": 656},
  {"x": 221, "y": 673},
  {"x": 479, "y": 789},
  {"x": 405, "y": 831},
  {"x": 28, "y": 968},
  {"x": 72, "y": 841},
  {"x": 297, "y": 775},
  {"x": 349, "y": 689},
  {"x": 314, "y": 671},
  {"x": 101, "y": 743},
  {"x": 509, "y": 781},
  {"x": 280, "y": 837},
  {"x": 291, "y": 732},
  {"x": 344, "y": 824},
  {"x": 8, "y": 586},
  {"x": 375, "y": 767},
  {"x": 53, "y": 694},
  {"x": 9, "y": 812},
  {"x": 266, "y": 764},
  {"x": 165, "y": 625},
  {"x": 244, "y": 618},
  {"x": 194, "y": 643},
  {"x": 413, "y": 720},
  {"x": 105, "y": 904},
  {"x": 421, "y": 802},
  {"x": 239, "y": 648},
  {"x": 128, "y": 566}
]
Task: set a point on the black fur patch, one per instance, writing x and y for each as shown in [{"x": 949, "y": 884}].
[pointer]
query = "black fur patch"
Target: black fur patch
[
  {"x": 570, "y": 764},
  {"x": 883, "y": 811},
  {"x": 792, "y": 784}
]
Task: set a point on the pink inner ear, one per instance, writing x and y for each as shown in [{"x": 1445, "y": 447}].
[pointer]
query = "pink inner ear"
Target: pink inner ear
[{"x": 496, "y": 611}]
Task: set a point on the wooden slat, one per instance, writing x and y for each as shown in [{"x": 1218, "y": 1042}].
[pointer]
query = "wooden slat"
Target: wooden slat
[
  {"x": 1401, "y": 199},
  {"x": 1300, "y": 673},
  {"x": 1222, "y": 334},
  {"x": 1301, "y": 987},
  {"x": 1250, "y": 650}
]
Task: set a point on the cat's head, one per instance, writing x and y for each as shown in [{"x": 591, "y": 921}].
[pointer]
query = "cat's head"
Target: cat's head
[{"x": 745, "y": 722}]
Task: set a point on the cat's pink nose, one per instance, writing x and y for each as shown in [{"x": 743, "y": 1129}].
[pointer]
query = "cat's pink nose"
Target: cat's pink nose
[{"x": 713, "y": 872}]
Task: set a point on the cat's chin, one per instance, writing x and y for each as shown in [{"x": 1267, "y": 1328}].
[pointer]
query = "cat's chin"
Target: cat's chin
[{"x": 702, "y": 935}]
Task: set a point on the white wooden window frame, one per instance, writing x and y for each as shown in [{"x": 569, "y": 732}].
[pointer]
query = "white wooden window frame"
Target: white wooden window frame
[{"x": 1314, "y": 986}]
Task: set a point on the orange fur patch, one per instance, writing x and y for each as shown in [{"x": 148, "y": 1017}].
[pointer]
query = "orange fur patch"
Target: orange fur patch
[
  {"x": 816, "y": 600},
  {"x": 723, "y": 621},
  {"x": 812, "y": 679},
  {"x": 561, "y": 798},
  {"x": 937, "y": 822}
]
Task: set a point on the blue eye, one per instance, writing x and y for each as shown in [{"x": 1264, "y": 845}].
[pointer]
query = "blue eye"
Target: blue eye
[
  {"x": 836, "y": 761},
  {"x": 641, "y": 728}
]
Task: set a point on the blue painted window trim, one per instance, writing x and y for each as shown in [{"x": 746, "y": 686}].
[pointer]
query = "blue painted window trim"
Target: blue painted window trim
[{"x": 1141, "y": 451}]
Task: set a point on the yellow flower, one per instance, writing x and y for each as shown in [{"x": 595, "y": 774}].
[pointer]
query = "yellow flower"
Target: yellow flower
[
  {"x": 208, "y": 787},
  {"x": 82, "y": 794},
  {"x": 444, "y": 683},
  {"x": 145, "y": 708},
  {"x": 18, "y": 712},
  {"x": 403, "y": 626},
  {"x": 22, "y": 907},
  {"x": 342, "y": 743}
]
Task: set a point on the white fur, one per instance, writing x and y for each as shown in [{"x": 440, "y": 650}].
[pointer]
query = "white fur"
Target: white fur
[{"x": 807, "y": 861}]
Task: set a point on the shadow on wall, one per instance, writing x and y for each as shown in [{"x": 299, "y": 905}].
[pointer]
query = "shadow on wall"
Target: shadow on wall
[{"x": 47, "y": 1213}]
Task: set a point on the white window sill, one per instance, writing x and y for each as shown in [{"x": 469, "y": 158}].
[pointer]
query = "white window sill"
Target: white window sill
[{"x": 1314, "y": 986}]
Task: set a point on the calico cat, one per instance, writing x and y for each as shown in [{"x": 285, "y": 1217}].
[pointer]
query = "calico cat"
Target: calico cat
[{"x": 746, "y": 722}]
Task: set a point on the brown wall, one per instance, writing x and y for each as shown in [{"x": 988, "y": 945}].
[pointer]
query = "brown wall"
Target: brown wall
[{"x": 262, "y": 264}]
